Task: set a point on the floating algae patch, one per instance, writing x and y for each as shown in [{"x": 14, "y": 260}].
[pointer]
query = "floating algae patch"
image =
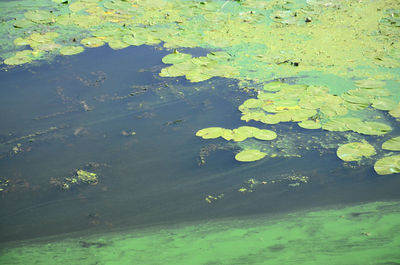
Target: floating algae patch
[{"x": 360, "y": 234}]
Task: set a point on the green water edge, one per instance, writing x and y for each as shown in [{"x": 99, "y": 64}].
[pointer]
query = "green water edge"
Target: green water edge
[{"x": 362, "y": 234}]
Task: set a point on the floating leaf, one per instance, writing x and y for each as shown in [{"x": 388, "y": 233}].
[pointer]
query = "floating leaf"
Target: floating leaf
[
  {"x": 395, "y": 112},
  {"x": 384, "y": 104},
  {"x": 176, "y": 57},
  {"x": 392, "y": 144},
  {"x": 273, "y": 86},
  {"x": 338, "y": 125},
  {"x": 20, "y": 57},
  {"x": 252, "y": 103},
  {"x": 355, "y": 151},
  {"x": 71, "y": 50},
  {"x": 116, "y": 44},
  {"x": 250, "y": 155},
  {"x": 370, "y": 128},
  {"x": 263, "y": 134},
  {"x": 309, "y": 124},
  {"x": 369, "y": 83},
  {"x": 92, "y": 42},
  {"x": 388, "y": 165},
  {"x": 211, "y": 132},
  {"x": 40, "y": 16}
]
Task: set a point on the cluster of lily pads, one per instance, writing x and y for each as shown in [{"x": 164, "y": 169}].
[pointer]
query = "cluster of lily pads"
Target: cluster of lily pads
[
  {"x": 199, "y": 68},
  {"x": 263, "y": 38},
  {"x": 312, "y": 107}
]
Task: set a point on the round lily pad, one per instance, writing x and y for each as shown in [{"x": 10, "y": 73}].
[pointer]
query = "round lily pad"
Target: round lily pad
[
  {"x": 250, "y": 155},
  {"x": 371, "y": 128},
  {"x": 252, "y": 103},
  {"x": 71, "y": 50},
  {"x": 369, "y": 83},
  {"x": 176, "y": 57},
  {"x": 92, "y": 42},
  {"x": 39, "y": 16},
  {"x": 337, "y": 125},
  {"x": 211, "y": 132},
  {"x": 309, "y": 124},
  {"x": 263, "y": 134},
  {"x": 395, "y": 112},
  {"x": 384, "y": 104},
  {"x": 388, "y": 165},
  {"x": 355, "y": 151},
  {"x": 392, "y": 144}
]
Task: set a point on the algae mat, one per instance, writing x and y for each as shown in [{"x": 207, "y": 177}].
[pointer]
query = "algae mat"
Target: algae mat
[{"x": 363, "y": 234}]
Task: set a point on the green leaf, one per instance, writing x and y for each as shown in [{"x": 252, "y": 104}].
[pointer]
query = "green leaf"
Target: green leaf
[
  {"x": 355, "y": 151},
  {"x": 369, "y": 83},
  {"x": 388, "y": 165},
  {"x": 71, "y": 50},
  {"x": 250, "y": 155},
  {"x": 392, "y": 144}
]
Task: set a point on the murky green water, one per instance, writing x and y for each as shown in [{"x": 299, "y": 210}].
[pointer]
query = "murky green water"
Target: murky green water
[{"x": 126, "y": 118}]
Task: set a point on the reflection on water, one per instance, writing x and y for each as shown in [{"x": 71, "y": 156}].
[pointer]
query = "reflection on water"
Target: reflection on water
[{"x": 109, "y": 113}]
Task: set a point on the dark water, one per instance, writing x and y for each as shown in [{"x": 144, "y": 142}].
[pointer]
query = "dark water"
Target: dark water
[{"x": 75, "y": 112}]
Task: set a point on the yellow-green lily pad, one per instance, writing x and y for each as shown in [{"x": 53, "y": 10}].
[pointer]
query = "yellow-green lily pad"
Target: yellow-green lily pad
[
  {"x": 369, "y": 83},
  {"x": 92, "y": 42},
  {"x": 71, "y": 50},
  {"x": 395, "y": 112},
  {"x": 211, "y": 132},
  {"x": 388, "y": 165},
  {"x": 252, "y": 103},
  {"x": 384, "y": 104},
  {"x": 250, "y": 155},
  {"x": 176, "y": 57},
  {"x": 264, "y": 134},
  {"x": 355, "y": 151},
  {"x": 309, "y": 124},
  {"x": 392, "y": 144},
  {"x": 371, "y": 128}
]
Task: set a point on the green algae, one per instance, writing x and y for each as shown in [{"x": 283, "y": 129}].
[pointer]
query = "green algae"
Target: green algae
[{"x": 357, "y": 234}]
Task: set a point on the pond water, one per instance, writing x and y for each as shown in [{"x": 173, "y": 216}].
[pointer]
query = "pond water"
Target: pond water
[{"x": 153, "y": 183}]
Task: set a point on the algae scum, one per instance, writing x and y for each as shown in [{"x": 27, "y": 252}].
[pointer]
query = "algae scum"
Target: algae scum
[{"x": 213, "y": 125}]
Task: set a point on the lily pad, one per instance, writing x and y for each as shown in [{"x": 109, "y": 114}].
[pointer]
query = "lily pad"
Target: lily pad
[
  {"x": 211, "y": 132},
  {"x": 71, "y": 50},
  {"x": 392, "y": 144},
  {"x": 369, "y": 83},
  {"x": 176, "y": 57},
  {"x": 371, "y": 128},
  {"x": 355, "y": 151},
  {"x": 388, "y": 165},
  {"x": 250, "y": 155},
  {"x": 252, "y": 103},
  {"x": 309, "y": 124},
  {"x": 40, "y": 16},
  {"x": 395, "y": 112},
  {"x": 384, "y": 104},
  {"x": 263, "y": 134},
  {"x": 92, "y": 42}
]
